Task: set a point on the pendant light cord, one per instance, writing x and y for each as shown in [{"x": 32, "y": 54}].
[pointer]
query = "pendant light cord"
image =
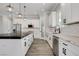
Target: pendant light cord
[{"x": 24, "y": 10}]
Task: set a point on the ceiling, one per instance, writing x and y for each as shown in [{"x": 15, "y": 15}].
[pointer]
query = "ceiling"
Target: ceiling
[{"x": 32, "y": 9}]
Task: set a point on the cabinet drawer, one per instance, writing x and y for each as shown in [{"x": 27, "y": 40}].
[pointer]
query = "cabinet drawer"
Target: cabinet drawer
[
  {"x": 64, "y": 49},
  {"x": 74, "y": 49},
  {"x": 71, "y": 50}
]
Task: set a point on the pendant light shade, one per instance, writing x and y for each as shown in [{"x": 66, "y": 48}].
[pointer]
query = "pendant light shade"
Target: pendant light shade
[
  {"x": 24, "y": 12},
  {"x": 9, "y": 7},
  {"x": 19, "y": 15}
]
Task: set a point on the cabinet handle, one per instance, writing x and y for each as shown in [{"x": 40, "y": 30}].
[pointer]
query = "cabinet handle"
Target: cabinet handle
[
  {"x": 65, "y": 44},
  {"x": 64, "y": 20},
  {"x": 24, "y": 43},
  {"x": 64, "y": 51}
]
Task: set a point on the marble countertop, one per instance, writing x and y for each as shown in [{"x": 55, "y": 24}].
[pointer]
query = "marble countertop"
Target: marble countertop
[
  {"x": 14, "y": 35},
  {"x": 69, "y": 38}
]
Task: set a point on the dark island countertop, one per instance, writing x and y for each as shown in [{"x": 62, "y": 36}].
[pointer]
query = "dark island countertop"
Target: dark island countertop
[{"x": 14, "y": 35}]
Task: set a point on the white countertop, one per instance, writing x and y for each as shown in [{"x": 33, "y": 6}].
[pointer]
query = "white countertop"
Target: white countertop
[{"x": 72, "y": 39}]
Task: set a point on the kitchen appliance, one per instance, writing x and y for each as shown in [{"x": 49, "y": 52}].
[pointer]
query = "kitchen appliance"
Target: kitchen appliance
[
  {"x": 30, "y": 26},
  {"x": 56, "y": 30},
  {"x": 17, "y": 28},
  {"x": 55, "y": 45}
]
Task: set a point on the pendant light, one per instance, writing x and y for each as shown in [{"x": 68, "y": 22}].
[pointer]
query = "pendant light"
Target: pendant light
[
  {"x": 19, "y": 14},
  {"x": 24, "y": 12},
  {"x": 9, "y": 7}
]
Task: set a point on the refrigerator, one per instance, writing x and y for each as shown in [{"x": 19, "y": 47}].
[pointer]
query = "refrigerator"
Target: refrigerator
[{"x": 17, "y": 28}]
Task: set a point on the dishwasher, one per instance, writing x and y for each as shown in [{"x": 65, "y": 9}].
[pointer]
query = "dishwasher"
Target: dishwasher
[{"x": 55, "y": 46}]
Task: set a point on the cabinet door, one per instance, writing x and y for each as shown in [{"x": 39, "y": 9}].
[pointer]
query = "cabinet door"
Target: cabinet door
[
  {"x": 75, "y": 12},
  {"x": 63, "y": 14},
  {"x": 64, "y": 48},
  {"x": 68, "y": 13},
  {"x": 60, "y": 48},
  {"x": 74, "y": 49},
  {"x": 54, "y": 21}
]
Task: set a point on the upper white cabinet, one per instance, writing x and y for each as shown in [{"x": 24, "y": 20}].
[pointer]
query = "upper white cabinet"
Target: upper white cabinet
[
  {"x": 66, "y": 13},
  {"x": 52, "y": 19},
  {"x": 75, "y": 12},
  {"x": 70, "y": 12}
]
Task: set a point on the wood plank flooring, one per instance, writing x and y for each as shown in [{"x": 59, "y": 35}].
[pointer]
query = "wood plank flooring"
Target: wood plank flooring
[{"x": 40, "y": 48}]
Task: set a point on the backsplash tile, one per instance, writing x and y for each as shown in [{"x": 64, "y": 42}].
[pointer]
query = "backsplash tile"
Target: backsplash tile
[{"x": 71, "y": 30}]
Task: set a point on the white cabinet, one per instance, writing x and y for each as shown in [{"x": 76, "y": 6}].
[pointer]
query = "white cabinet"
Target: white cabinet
[
  {"x": 70, "y": 12},
  {"x": 27, "y": 42},
  {"x": 75, "y": 12},
  {"x": 50, "y": 40},
  {"x": 63, "y": 16},
  {"x": 67, "y": 49},
  {"x": 52, "y": 19},
  {"x": 74, "y": 49},
  {"x": 15, "y": 47},
  {"x": 10, "y": 47},
  {"x": 66, "y": 12}
]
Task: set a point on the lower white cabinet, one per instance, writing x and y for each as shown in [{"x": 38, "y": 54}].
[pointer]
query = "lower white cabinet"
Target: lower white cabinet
[
  {"x": 15, "y": 47},
  {"x": 74, "y": 49},
  {"x": 27, "y": 41},
  {"x": 67, "y": 49},
  {"x": 50, "y": 40}
]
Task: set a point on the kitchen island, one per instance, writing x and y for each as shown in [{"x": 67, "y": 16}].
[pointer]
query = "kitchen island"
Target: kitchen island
[{"x": 15, "y": 44}]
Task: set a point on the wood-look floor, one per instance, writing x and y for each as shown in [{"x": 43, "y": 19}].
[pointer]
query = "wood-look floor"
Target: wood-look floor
[{"x": 40, "y": 48}]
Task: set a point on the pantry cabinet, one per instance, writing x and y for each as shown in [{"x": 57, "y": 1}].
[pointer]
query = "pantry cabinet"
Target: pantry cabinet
[{"x": 70, "y": 12}]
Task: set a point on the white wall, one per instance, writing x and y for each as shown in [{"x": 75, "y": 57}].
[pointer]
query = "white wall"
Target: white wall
[
  {"x": 25, "y": 23},
  {"x": 34, "y": 22},
  {"x": 1, "y": 24},
  {"x": 5, "y": 25}
]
